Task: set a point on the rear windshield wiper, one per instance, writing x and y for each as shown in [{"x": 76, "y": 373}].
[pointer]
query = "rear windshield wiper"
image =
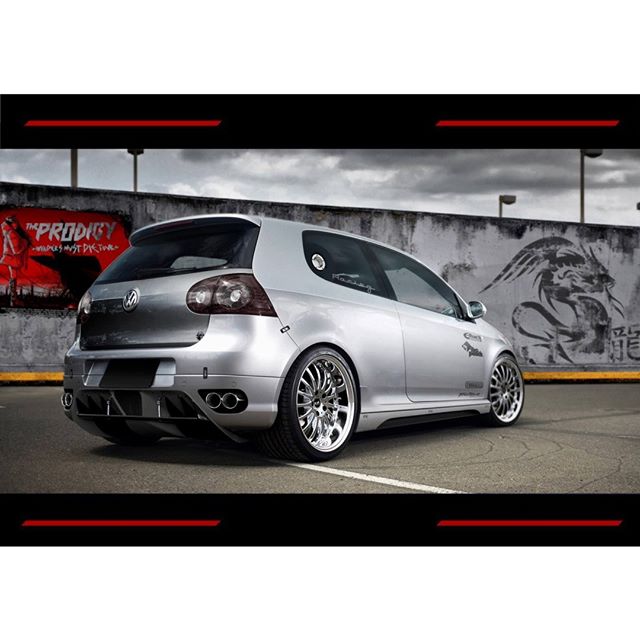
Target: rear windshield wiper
[
  {"x": 156, "y": 271},
  {"x": 149, "y": 272}
]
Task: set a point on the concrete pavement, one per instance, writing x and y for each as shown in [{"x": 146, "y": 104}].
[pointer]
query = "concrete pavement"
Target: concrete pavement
[{"x": 571, "y": 438}]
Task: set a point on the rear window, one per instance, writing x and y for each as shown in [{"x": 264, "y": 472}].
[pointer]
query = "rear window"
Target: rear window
[{"x": 214, "y": 246}]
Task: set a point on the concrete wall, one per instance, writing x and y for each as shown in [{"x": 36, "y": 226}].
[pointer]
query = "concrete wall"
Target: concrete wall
[{"x": 568, "y": 296}]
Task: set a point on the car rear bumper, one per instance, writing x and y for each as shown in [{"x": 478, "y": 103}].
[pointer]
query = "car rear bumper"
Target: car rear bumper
[
  {"x": 162, "y": 391},
  {"x": 172, "y": 409}
]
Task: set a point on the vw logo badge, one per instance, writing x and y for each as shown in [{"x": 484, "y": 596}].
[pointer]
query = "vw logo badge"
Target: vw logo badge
[{"x": 130, "y": 300}]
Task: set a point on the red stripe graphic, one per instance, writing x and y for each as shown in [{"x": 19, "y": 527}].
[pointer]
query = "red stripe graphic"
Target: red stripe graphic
[
  {"x": 527, "y": 123},
  {"x": 122, "y": 123},
  {"x": 121, "y": 523},
  {"x": 529, "y": 523}
]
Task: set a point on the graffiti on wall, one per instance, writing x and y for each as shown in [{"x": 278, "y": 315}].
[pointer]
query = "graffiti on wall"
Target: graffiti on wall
[
  {"x": 572, "y": 314},
  {"x": 50, "y": 257}
]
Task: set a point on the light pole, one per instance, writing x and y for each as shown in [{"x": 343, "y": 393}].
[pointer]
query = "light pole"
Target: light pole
[
  {"x": 504, "y": 199},
  {"x": 135, "y": 153},
  {"x": 589, "y": 153},
  {"x": 74, "y": 168}
]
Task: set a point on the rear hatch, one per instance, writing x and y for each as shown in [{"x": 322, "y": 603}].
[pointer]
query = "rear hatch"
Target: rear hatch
[{"x": 140, "y": 299}]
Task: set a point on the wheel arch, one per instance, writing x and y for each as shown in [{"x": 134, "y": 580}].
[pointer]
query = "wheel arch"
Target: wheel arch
[
  {"x": 507, "y": 352},
  {"x": 499, "y": 354},
  {"x": 335, "y": 347}
]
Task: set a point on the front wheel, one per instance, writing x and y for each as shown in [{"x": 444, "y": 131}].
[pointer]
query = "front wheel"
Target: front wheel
[
  {"x": 506, "y": 393},
  {"x": 318, "y": 409}
]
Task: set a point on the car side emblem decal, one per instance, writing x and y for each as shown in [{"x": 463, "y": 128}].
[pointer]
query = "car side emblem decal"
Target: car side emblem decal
[
  {"x": 471, "y": 350},
  {"x": 130, "y": 300},
  {"x": 318, "y": 262},
  {"x": 473, "y": 336}
]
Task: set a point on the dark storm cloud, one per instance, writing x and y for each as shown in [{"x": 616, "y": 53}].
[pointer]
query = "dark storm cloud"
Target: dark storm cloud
[
  {"x": 208, "y": 155},
  {"x": 438, "y": 171},
  {"x": 487, "y": 170},
  {"x": 440, "y": 180}
]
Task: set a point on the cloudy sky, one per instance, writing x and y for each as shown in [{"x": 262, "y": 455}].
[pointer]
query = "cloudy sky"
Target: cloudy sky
[{"x": 545, "y": 181}]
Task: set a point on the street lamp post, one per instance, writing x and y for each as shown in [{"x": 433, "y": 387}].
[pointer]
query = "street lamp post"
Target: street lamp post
[
  {"x": 589, "y": 153},
  {"x": 74, "y": 168},
  {"x": 135, "y": 153},
  {"x": 504, "y": 199}
]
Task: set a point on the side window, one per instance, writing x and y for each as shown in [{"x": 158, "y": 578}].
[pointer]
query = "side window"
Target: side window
[
  {"x": 416, "y": 285},
  {"x": 341, "y": 260}
]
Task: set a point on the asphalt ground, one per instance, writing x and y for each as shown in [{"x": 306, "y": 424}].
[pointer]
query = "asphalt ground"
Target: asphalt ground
[{"x": 571, "y": 438}]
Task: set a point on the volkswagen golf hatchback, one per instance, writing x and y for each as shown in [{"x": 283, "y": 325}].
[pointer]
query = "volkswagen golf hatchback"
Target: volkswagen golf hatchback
[{"x": 288, "y": 334}]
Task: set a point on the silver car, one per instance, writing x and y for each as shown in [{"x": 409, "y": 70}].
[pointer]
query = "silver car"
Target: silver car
[{"x": 288, "y": 334}]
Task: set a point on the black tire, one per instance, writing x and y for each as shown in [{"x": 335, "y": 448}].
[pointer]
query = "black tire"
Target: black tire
[
  {"x": 492, "y": 419},
  {"x": 285, "y": 439}
]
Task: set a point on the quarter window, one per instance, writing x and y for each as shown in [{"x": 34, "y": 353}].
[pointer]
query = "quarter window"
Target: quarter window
[
  {"x": 414, "y": 284},
  {"x": 341, "y": 260}
]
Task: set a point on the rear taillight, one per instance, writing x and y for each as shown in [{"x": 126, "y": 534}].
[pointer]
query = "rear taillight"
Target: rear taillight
[
  {"x": 84, "y": 307},
  {"x": 238, "y": 294}
]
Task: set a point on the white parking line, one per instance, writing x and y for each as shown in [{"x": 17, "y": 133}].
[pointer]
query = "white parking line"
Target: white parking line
[{"x": 365, "y": 477}]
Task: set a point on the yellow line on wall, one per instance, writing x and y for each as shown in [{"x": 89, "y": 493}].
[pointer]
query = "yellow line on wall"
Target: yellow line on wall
[
  {"x": 581, "y": 375},
  {"x": 31, "y": 376},
  {"x": 530, "y": 376}
]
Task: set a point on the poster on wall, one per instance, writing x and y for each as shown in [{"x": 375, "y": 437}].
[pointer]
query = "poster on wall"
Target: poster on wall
[{"x": 50, "y": 257}]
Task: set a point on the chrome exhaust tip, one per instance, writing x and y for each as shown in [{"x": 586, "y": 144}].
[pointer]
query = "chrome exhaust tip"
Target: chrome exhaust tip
[
  {"x": 213, "y": 399},
  {"x": 66, "y": 399},
  {"x": 230, "y": 401}
]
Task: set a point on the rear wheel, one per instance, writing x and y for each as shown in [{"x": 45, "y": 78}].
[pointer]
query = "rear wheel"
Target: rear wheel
[
  {"x": 506, "y": 393},
  {"x": 318, "y": 409}
]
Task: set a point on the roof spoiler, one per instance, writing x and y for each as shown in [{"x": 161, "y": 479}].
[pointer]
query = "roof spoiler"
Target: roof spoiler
[{"x": 191, "y": 223}]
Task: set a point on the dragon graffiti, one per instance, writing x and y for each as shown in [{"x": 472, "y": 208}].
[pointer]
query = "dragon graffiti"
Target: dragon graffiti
[{"x": 569, "y": 313}]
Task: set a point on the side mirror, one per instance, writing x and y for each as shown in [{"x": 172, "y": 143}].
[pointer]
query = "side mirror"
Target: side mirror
[{"x": 476, "y": 310}]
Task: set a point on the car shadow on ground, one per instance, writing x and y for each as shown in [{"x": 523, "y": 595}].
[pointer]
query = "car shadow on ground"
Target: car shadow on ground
[
  {"x": 384, "y": 440},
  {"x": 187, "y": 451},
  {"x": 452, "y": 426},
  {"x": 223, "y": 452}
]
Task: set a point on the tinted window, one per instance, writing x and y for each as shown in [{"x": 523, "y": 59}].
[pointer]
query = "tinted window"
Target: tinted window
[
  {"x": 341, "y": 260},
  {"x": 183, "y": 251},
  {"x": 414, "y": 284}
]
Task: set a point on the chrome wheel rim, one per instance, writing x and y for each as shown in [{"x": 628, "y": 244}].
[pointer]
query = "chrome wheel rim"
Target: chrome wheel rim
[
  {"x": 506, "y": 391},
  {"x": 325, "y": 399}
]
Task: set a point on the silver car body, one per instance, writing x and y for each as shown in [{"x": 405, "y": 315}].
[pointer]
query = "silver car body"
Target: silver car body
[{"x": 409, "y": 362}]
